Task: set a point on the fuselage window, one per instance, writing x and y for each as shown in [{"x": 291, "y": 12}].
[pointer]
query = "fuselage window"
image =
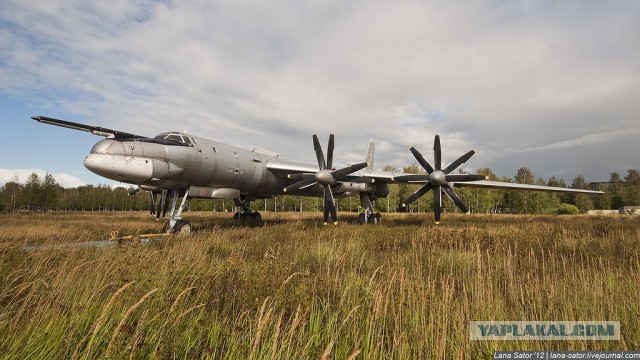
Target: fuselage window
[{"x": 179, "y": 138}]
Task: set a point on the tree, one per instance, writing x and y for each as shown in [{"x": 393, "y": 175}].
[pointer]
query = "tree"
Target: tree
[
  {"x": 519, "y": 202},
  {"x": 524, "y": 176},
  {"x": 616, "y": 189},
  {"x": 49, "y": 193},
  {"x": 631, "y": 192},
  {"x": 31, "y": 192},
  {"x": 581, "y": 201},
  {"x": 11, "y": 194},
  {"x": 484, "y": 200}
]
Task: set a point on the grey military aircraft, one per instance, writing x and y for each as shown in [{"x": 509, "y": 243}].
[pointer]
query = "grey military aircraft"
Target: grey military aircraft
[{"x": 174, "y": 167}]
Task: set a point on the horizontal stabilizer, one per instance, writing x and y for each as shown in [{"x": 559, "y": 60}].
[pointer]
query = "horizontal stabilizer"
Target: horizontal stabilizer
[{"x": 96, "y": 130}]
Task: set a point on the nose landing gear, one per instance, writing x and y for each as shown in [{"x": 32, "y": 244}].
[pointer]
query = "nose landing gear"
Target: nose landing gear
[
  {"x": 368, "y": 216},
  {"x": 175, "y": 224}
]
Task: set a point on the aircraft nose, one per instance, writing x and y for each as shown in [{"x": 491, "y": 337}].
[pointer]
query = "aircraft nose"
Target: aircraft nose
[{"x": 121, "y": 168}]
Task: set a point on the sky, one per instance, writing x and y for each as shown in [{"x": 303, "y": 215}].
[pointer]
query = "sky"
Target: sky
[{"x": 551, "y": 85}]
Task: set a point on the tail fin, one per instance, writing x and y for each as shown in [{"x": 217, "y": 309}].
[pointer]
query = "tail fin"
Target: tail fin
[{"x": 370, "y": 154}]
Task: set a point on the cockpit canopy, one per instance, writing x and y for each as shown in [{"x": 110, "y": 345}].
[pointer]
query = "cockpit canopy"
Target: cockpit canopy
[{"x": 176, "y": 137}]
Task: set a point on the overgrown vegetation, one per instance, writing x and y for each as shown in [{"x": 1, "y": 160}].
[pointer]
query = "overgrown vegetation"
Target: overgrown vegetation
[
  {"x": 296, "y": 289},
  {"x": 568, "y": 209}
]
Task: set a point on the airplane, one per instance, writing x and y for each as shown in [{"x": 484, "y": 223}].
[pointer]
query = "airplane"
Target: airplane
[{"x": 174, "y": 166}]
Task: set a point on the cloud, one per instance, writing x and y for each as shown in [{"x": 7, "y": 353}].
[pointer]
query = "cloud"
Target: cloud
[
  {"x": 486, "y": 75},
  {"x": 606, "y": 137},
  {"x": 21, "y": 175}
]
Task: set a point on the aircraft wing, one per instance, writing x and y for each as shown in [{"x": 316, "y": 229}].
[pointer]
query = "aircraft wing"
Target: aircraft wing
[
  {"x": 515, "y": 186},
  {"x": 96, "y": 130},
  {"x": 291, "y": 168}
]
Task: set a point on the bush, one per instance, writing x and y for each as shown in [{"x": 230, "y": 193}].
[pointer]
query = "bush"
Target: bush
[{"x": 568, "y": 209}]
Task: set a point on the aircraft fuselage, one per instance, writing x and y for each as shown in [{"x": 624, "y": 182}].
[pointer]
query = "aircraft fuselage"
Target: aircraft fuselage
[{"x": 198, "y": 163}]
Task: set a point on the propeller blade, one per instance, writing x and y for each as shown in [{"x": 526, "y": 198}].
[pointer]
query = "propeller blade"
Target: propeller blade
[
  {"x": 301, "y": 184},
  {"x": 341, "y": 173},
  {"x": 437, "y": 153},
  {"x": 465, "y": 177},
  {"x": 329, "y": 206},
  {"x": 412, "y": 178},
  {"x": 302, "y": 176},
  {"x": 421, "y": 160},
  {"x": 437, "y": 203},
  {"x": 456, "y": 199},
  {"x": 416, "y": 195},
  {"x": 330, "y": 153},
  {"x": 461, "y": 160},
  {"x": 316, "y": 145}
]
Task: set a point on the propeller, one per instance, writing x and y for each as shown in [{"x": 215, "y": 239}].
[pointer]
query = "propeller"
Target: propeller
[
  {"x": 438, "y": 180},
  {"x": 325, "y": 176}
]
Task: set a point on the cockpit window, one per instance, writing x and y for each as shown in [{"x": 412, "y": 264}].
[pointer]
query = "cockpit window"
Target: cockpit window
[{"x": 176, "y": 137}]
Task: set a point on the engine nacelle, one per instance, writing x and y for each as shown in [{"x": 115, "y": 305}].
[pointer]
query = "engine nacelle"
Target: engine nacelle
[{"x": 379, "y": 190}]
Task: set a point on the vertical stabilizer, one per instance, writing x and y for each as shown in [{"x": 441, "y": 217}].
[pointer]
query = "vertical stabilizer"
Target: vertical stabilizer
[{"x": 370, "y": 154}]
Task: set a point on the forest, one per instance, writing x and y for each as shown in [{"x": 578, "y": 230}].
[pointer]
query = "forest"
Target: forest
[{"x": 38, "y": 193}]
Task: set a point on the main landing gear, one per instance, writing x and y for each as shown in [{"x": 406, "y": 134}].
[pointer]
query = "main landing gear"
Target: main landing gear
[
  {"x": 175, "y": 224},
  {"x": 368, "y": 216},
  {"x": 246, "y": 214}
]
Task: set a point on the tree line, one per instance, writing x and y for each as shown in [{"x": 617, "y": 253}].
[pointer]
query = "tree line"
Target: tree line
[{"x": 45, "y": 194}]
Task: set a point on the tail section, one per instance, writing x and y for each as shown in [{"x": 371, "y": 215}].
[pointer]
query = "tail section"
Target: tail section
[{"x": 370, "y": 154}]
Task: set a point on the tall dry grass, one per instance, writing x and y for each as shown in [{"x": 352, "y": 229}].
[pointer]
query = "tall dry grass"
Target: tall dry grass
[{"x": 296, "y": 289}]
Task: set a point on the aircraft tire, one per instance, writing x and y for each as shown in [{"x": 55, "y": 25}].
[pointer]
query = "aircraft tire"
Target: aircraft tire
[
  {"x": 183, "y": 227},
  {"x": 361, "y": 218},
  {"x": 377, "y": 218},
  {"x": 255, "y": 216}
]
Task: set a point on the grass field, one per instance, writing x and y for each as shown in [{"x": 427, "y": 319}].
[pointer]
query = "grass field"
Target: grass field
[{"x": 296, "y": 289}]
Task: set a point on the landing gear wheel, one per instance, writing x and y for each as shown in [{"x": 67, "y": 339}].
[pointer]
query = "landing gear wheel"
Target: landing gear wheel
[
  {"x": 376, "y": 218},
  {"x": 372, "y": 219},
  {"x": 248, "y": 216},
  {"x": 183, "y": 227}
]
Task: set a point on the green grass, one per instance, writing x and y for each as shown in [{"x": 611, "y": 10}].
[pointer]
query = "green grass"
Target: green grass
[{"x": 294, "y": 288}]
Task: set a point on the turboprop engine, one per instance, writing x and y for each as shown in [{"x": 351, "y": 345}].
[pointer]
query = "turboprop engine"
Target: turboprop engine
[{"x": 379, "y": 190}]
